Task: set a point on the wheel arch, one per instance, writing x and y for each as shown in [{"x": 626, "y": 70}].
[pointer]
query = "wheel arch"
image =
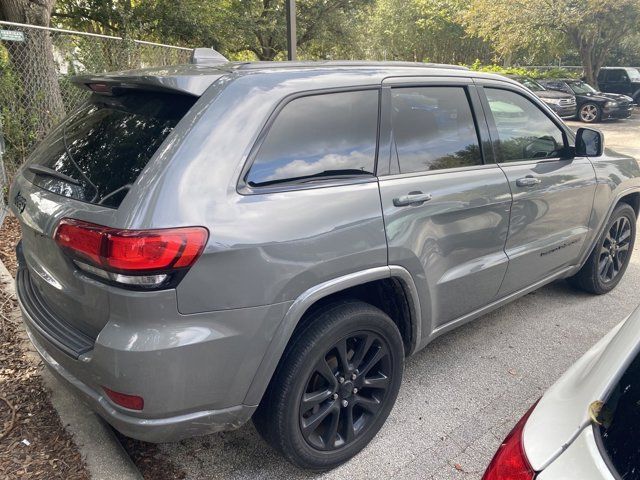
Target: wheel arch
[
  {"x": 630, "y": 196},
  {"x": 390, "y": 288},
  {"x": 632, "y": 199}
]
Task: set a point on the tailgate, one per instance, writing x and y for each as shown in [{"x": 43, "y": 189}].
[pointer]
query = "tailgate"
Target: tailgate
[
  {"x": 83, "y": 170},
  {"x": 51, "y": 279}
]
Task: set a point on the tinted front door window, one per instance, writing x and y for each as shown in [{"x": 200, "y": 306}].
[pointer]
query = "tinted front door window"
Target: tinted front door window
[
  {"x": 434, "y": 129},
  {"x": 320, "y": 136},
  {"x": 524, "y": 131}
]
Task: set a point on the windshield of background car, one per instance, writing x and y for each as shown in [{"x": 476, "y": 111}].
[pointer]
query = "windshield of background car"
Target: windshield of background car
[
  {"x": 531, "y": 85},
  {"x": 620, "y": 429},
  {"x": 102, "y": 147},
  {"x": 634, "y": 74},
  {"x": 581, "y": 88}
]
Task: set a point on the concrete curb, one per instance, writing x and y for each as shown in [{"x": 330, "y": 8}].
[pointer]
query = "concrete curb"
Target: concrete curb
[{"x": 103, "y": 454}]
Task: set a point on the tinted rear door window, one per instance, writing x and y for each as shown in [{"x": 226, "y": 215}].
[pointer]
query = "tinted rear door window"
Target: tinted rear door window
[
  {"x": 433, "y": 129},
  {"x": 105, "y": 145},
  {"x": 317, "y": 137}
]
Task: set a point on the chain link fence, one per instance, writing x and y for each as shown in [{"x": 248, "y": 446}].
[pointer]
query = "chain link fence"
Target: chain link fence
[{"x": 36, "y": 66}]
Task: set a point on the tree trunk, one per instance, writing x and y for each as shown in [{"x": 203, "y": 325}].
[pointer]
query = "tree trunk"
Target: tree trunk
[
  {"x": 590, "y": 74},
  {"x": 506, "y": 60},
  {"x": 34, "y": 63}
]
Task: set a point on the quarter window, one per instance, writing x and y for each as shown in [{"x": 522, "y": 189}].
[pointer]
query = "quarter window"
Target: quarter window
[
  {"x": 319, "y": 137},
  {"x": 434, "y": 129},
  {"x": 524, "y": 131}
]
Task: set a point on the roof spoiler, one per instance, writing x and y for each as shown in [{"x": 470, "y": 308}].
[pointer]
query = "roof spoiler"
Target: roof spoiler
[{"x": 207, "y": 56}]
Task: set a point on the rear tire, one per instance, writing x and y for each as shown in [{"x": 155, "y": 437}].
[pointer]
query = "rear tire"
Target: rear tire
[
  {"x": 607, "y": 263},
  {"x": 334, "y": 387}
]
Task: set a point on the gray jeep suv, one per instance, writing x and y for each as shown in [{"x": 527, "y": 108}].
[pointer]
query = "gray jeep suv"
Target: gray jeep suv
[{"x": 204, "y": 244}]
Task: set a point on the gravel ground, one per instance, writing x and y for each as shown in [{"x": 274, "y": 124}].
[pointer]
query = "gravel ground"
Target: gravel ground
[
  {"x": 33, "y": 442},
  {"x": 463, "y": 393}
]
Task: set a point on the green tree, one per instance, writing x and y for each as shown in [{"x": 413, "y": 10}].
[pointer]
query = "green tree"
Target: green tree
[
  {"x": 423, "y": 30},
  {"x": 592, "y": 27},
  {"x": 33, "y": 63},
  {"x": 231, "y": 26},
  {"x": 191, "y": 22},
  {"x": 260, "y": 25}
]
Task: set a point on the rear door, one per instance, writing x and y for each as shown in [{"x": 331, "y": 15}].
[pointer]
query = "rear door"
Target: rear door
[
  {"x": 445, "y": 206},
  {"x": 83, "y": 170},
  {"x": 552, "y": 195}
]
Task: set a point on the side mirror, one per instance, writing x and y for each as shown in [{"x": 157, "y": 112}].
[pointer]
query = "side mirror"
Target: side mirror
[{"x": 589, "y": 143}]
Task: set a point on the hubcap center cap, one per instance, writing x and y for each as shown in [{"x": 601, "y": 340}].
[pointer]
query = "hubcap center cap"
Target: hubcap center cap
[{"x": 346, "y": 389}]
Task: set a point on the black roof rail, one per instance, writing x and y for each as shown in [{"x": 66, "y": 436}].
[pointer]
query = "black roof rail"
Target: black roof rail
[{"x": 207, "y": 56}]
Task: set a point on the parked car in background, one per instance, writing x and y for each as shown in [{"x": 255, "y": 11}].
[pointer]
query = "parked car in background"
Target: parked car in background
[
  {"x": 563, "y": 104},
  {"x": 593, "y": 106},
  {"x": 207, "y": 243},
  {"x": 587, "y": 425},
  {"x": 623, "y": 80}
]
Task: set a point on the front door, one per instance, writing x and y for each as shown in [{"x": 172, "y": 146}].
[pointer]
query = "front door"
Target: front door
[
  {"x": 446, "y": 211},
  {"x": 552, "y": 195}
]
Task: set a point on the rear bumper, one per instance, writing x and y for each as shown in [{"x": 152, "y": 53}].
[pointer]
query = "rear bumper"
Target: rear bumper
[
  {"x": 193, "y": 371},
  {"x": 156, "y": 430},
  {"x": 565, "y": 112}
]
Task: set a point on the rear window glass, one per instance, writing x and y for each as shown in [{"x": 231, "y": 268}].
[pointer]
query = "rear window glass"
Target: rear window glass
[
  {"x": 620, "y": 418},
  {"x": 319, "y": 137},
  {"x": 101, "y": 148}
]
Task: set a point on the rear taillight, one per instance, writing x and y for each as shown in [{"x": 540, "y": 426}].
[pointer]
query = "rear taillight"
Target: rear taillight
[
  {"x": 138, "y": 258},
  {"x": 99, "y": 87},
  {"x": 510, "y": 461}
]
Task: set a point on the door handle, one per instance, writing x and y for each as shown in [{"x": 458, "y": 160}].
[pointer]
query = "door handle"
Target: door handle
[
  {"x": 412, "y": 198},
  {"x": 528, "y": 181}
]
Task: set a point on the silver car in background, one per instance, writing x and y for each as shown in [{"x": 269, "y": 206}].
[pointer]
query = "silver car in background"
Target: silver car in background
[{"x": 209, "y": 243}]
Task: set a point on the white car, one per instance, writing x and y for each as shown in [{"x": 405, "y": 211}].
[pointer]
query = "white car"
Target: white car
[{"x": 587, "y": 425}]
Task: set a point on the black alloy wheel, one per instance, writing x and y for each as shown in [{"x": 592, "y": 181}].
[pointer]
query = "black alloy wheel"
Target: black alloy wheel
[
  {"x": 614, "y": 250},
  {"x": 346, "y": 390},
  {"x": 334, "y": 386},
  {"x": 605, "y": 266}
]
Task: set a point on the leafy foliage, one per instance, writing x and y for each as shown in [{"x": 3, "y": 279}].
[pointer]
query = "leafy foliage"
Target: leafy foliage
[
  {"x": 525, "y": 72},
  {"x": 591, "y": 27}
]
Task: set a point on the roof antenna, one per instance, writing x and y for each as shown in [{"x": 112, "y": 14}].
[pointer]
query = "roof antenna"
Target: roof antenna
[{"x": 207, "y": 56}]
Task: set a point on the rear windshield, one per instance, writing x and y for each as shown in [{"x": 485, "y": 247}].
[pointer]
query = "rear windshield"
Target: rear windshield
[
  {"x": 620, "y": 418},
  {"x": 97, "y": 153}
]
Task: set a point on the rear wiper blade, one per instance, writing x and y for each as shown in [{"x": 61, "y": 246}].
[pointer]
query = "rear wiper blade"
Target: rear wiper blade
[{"x": 49, "y": 172}]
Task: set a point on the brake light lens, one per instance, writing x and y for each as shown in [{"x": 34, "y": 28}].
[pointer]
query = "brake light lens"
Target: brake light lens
[
  {"x": 143, "y": 257},
  {"x": 99, "y": 87},
  {"x": 132, "y": 402},
  {"x": 510, "y": 461}
]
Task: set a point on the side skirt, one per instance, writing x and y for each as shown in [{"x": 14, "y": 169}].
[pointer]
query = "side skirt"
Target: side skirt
[{"x": 494, "y": 305}]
